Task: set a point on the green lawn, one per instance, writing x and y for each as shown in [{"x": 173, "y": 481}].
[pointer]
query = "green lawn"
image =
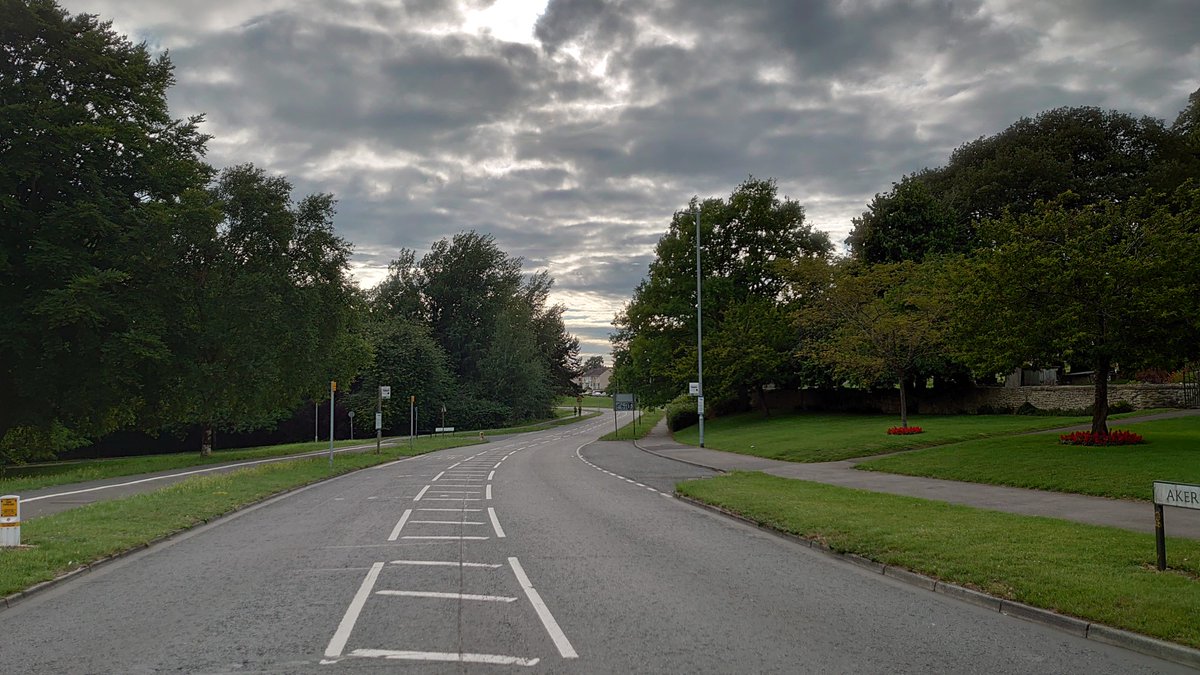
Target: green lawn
[
  {"x": 18, "y": 479},
  {"x": 588, "y": 402},
  {"x": 1171, "y": 453},
  {"x": 826, "y": 437},
  {"x": 1099, "y": 574},
  {"x": 70, "y": 539},
  {"x": 631, "y": 432}
]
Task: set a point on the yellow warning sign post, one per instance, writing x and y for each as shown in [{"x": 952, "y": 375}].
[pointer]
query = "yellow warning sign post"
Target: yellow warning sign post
[{"x": 10, "y": 520}]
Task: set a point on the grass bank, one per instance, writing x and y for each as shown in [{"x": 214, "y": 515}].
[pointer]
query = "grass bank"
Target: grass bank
[
  {"x": 74, "y": 538},
  {"x": 632, "y": 431},
  {"x": 588, "y": 402},
  {"x": 1039, "y": 461},
  {"x": 22, "y": 479},
  {"x": 827, "y": 437},
  {"x": 1098, "y": 574}
]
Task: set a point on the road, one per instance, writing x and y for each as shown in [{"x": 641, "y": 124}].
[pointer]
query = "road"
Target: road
[{"x": 539, "y": 553}]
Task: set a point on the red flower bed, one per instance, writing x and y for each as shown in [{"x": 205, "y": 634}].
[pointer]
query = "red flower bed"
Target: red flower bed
[
  {"x": 1114, "y": 437},
  {"x": 904, "y": 431}
]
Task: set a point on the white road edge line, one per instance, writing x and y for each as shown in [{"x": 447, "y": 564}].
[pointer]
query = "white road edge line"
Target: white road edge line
[
  {"x": 494, "y": 659},
  {"x": 492, "y": 474},
  {"x": 438, "y": 476},
  {"x": 543, "y": 612},
  {"x": 495, "y": 523},
  {"x": 338, "y": 643},
  {"x": 439, "y": 536},
  {"x": 421, "y": 494},
  {"x": 399, "y": 525},
  {"x": 489, "y": 492}
]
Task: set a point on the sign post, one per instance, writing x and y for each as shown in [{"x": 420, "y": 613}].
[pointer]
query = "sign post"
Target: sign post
[
  {"x": 384, "y": 392},
  {"x": 10, "y": 521},
  {"x": 351, "y": 416},
  {"x": 412, "y": 419},
  {"x": 332, "y": 391},
  {"x": 1182, "y": 495}
]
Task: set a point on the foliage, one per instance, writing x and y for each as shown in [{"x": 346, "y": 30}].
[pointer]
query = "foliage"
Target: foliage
[
  {"x": 1084, "y": 283},
  {"x": 907, "y": 223},
  {"x": 593, "y": 362},
  {"x": 904, "y": 431},
  {"x": 681, "y": 413},
  {"x": 744, "y": 239},
  {"x": 877, "y": 323},
  {"x": 1113, "y": 437},
  {"x": 92, "y": 170},
  {"x": 263, "y": 306},
  {"x": 505, "y": 351}
]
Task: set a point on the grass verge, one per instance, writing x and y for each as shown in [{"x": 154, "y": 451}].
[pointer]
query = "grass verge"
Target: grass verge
[
  {"x": 588, "y": 402},
  {"x": 23, "y": 479},
  {"x": 1095, "y": 573},
  {"x": 71, "y": 539},
  {"x": 630, "y": 432},
  {"x": 1039, "y": 461},
  {"x": 827, "y": 437}
]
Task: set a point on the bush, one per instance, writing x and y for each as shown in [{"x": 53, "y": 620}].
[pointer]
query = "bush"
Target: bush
[{"x": 681, "y": 413}]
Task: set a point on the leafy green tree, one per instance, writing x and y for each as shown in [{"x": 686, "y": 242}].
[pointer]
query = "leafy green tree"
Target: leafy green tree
[
  {"x": 874, "y": 324},
  {"x": 907, "y": 223},
  {"x": 92, "y": 169},
  {"x": 410, "y": 361},
  {"x": 593, "y": 362},
  {"x": 265, "y": 306},
  {"x": 754, "y": 347},
  {"x": 745, "y": 239},
  {"x": 1084, "y": 283}
]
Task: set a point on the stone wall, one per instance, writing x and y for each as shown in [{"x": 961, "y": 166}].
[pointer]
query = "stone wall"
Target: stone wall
[{"x": 1139, "y": 396}]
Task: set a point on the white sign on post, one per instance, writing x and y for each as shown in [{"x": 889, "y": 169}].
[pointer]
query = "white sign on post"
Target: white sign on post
[
  {"x": 385, "y": 391},
  {"x": 700, "y": 405},
  {"x": 1177, "y": 494},
  {"x": 693, "y": 388},
  {"x": 378, "y": 421}
]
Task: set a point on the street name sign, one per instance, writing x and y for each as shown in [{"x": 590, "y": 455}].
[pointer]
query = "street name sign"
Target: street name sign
[
  {"x": 1182, "y": 495},
  {"x": 385, "y": 391},
  {"x": 693, "y": 388}
]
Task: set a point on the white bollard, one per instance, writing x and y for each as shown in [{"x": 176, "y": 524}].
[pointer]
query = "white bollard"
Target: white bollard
[{"x": 10, "y": 520}]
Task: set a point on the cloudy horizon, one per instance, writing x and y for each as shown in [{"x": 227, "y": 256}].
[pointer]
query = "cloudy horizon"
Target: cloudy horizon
[{"x": 572, "y": 130}]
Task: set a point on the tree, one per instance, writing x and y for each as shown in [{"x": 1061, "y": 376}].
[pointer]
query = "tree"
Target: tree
[
  {"x": 265, "y": 306},
  {"x": 92, "y": 170},
  {"x": 407, "y": 358},
  {"x": 875, "y": 323},
  {"x": 1084, "y": 283},
  {"x": 593, "y": 362},
  {"x": 907, "y": 223},
  {"x": 745, "y": 239},
  {"x": 754, "y": 347}
]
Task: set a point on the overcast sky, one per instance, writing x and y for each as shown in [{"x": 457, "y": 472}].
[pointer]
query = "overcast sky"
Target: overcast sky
[{"x": 571, "y": 131}]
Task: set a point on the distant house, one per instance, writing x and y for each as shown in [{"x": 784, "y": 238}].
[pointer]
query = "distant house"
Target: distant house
[{"x": 595, "y": 379}]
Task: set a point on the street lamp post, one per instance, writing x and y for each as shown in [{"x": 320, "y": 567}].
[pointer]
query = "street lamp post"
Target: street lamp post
[{"x": 699, "y": 335}]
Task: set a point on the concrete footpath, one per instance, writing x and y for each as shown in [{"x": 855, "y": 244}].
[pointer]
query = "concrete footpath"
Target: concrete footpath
[{"x": 1125, "y": 514}]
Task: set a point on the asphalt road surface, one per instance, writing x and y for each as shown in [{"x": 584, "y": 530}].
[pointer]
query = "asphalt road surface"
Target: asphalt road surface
[{"x": 533, "y": 553}]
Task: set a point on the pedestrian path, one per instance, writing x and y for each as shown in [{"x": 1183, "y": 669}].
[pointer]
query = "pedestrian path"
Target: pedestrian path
[{"x": 1125, "y": 514}]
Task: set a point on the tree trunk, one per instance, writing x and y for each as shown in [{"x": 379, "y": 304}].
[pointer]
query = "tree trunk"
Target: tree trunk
[
  {"x": 1100, "y": 405},
  {"x": 903, "y": 405},
  {"x": 206, "y": 441},
  {"x": 762, "y": 398}
]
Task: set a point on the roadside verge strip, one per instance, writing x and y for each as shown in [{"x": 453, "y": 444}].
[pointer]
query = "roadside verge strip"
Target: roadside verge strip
[{"x": 1093, "y": 631}]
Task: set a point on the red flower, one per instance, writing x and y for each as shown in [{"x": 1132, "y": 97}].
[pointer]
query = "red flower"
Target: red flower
[
  {"x": 1114, "y": 437},
  {"x": 904, "y": 431}
]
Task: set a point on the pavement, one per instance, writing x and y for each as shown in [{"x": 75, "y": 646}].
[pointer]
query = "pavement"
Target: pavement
[{"x": 1124, "y": 514}]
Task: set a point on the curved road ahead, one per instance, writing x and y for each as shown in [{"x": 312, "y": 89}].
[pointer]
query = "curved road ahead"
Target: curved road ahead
[{"x": 535, "y": 553}]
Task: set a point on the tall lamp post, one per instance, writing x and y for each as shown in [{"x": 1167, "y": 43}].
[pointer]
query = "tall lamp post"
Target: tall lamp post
[{"x": 699, "y": 335}]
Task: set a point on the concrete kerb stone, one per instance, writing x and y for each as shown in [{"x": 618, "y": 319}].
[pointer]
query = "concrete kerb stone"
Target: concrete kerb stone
[{"x": 1161, "y": 649}]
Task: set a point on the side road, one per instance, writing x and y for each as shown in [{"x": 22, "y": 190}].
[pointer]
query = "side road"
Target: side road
[{"x": 1128, "y": 515}]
